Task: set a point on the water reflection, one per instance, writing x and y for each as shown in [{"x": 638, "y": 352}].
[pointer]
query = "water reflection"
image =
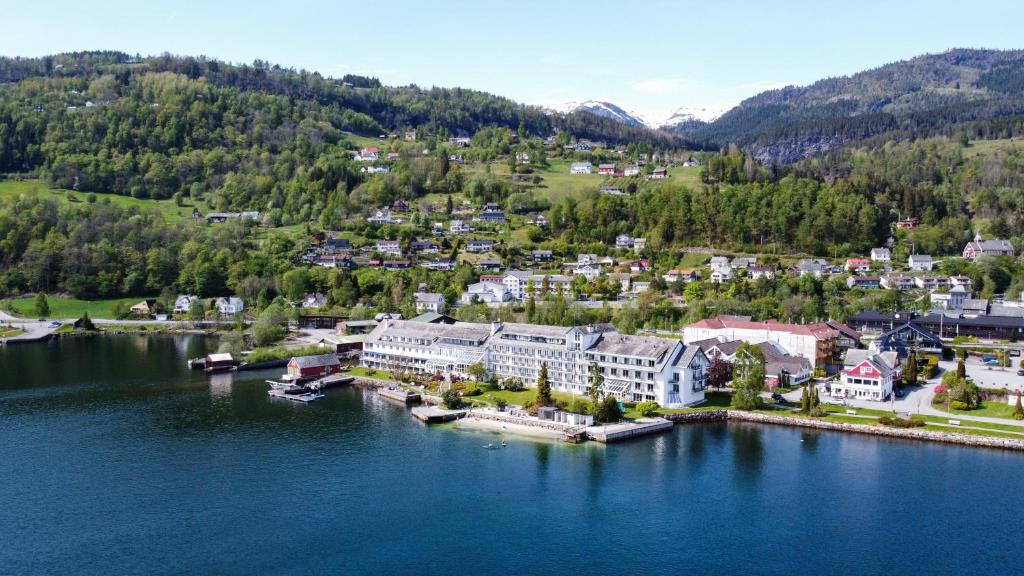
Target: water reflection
[{"x": 748, "y": 452}]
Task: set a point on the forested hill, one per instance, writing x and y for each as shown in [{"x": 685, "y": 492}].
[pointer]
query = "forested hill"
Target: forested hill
[
  {"x": 150, "y": 127},
  {"x": 957, "y": 92}
]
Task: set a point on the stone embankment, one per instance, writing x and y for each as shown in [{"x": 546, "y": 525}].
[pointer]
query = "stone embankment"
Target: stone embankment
[{"x": 877, "y": 430}]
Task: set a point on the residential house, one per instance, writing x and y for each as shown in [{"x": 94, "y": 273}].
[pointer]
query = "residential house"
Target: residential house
[
  {"x": 908, "y": 223},
  {"x": 459, "y": 227},
  {"x": 919, "y": 263},
  {"x": 400, "y": 206},
  {"x": 336, "y": 245},
  {"x": 677, "y": 274},
  {"x": 857, "y": 265},
  {"x": 612, "y": 191},
  {"x": 931, "y": 282},
  {"x": 183, "y": 303},
  {"x": 624, "y": 241},
  {"x": 781, "y": 367},
  {"x": 756, "y": 272},
  {"x": 864, "y": 282},
  {"x": 639, "y": 244},
  {"x": 522, "y": 158},
  {"x": 881, "y": 255},
  {"x": 541, "y": 255},
  {"x": 658, "y": 174},
  {"x": 639, "y": 287},
  {"x": 606, "y": 169},
  {"x": 718, "y": 262},
  {"x": 424, "y": 247},
  {"x": 221, "y": 217},
  {"x": 640, "y": 266},
  {"x": 867, "y": 375},
  {"x": 897, "y": 282},
  {"x": 633, "y": 170},
  {"x": 444, "y": 264},
  {"x": 145, "y": 308},
  {"x": 460, "y": 142},
  {"x": 952, "y": 300},
  {"x": 722, "y": 275},
  {"x": 743, "y": 262},
  {"x": 589, "y": 271},
  {"x": 479, "y": 246},
  {"x": 429, "y": 302},
  {"x": 486, "y": 292},
  {"x": 388, "y": 247},
  {"x": 314, "y": 300},
  {"x": 979, "y": 247},
  {"x": 375, "y": 169},
  {"x": 229, "y": 305},
  {"x": 580, "y": 168},
  {"x": 493, "y": 216},
  {"x": 849, "y": 339},
  {"x": 489, "y": 265},
  {"x": 383, "y": 216},
  {"x": 812, "y": 267},
  {"x": 964, "y": 281}
]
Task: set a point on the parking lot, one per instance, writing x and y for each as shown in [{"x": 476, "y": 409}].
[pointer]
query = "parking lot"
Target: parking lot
[{"x": 989, "y": 376}]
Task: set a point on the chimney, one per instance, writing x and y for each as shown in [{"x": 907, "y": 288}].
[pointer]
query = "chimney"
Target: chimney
[{"x": 495, "y": 327}]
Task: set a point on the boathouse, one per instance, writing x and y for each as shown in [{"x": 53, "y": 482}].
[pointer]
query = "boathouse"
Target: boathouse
[{"x": 313, "y": 366}]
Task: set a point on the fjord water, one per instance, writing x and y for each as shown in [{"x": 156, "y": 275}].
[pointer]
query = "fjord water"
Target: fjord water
[{"x": 116, "y": 459}]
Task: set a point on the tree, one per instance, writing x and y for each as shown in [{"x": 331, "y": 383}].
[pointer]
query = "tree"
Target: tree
[
  {"x": 961, "y": 370},
  {"x": 543, "y": 387},
  {"x": 295, "y": 283},
  {"x": 805, "y": 400},
  {"x": 42, "y": 306},
  {"x": 748, "y": 377},
  {"x": 196, "y": 311},
  {"x": 608, "y": 410},
  {"x": 269, "y": 326},
  {"x": 910, "y": 374},
  {"x": 596, "y": 382},
  {"x": 1018, "y": 411},
  {"x": 813, "y": 397},
  {"x": 451, "y": 399},
  {"x": 85, "y": 322},
  {"x": 477, "y": 371},
  {"x": 719, "y": 372}
]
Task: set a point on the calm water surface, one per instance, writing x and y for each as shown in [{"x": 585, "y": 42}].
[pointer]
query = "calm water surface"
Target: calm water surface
[{"x": 115, "y": 459}]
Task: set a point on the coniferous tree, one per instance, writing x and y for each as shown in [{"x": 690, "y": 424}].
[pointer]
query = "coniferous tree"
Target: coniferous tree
[
  {"x": 1018, "y": 411},
  {"x": 543, "y": 387},
  {"x": 596, "y": 383},
  {"x": 805, "y": 401},
  {"x": 910, "y": 375}
]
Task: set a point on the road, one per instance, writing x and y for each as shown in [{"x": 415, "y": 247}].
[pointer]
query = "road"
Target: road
[
  {"x": 918, "y": 400},
  {"x": 36, "y": 330}
]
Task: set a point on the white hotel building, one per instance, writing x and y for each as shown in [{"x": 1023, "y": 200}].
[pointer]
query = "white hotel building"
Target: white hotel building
[{"x": 635, "y": 368}]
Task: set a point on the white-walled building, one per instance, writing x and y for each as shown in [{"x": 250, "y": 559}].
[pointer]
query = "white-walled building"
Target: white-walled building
[
  {"x": 429, "y": 302},
  {"x": 581, "y": 168},
  {"x": 882, "y": 255},
  {"x": 919, "y": 263},
  {"x": 485, "y": 293},
  {"x": 867, "y": 375},
  {"x": 634, "y": 368},
  {"x": 815, "y": 342}
]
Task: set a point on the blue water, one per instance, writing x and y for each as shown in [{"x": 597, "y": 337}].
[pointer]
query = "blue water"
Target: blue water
[{"x": 114, "y": 459}]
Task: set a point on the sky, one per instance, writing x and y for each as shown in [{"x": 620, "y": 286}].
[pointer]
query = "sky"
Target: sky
[{"x": 648, "y": 56}]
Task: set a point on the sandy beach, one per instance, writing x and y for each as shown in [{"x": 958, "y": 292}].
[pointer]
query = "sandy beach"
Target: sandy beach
[{"x": 496, "y": 427}]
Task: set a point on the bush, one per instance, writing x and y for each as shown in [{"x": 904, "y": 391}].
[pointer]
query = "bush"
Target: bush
[
  {"x": 900, "y": 422},
  {"x": 649, "y": 408},
  {"x": 472, "y": 391},
  {"x": 501, "y": 403},
  {"x": 451, "y": 399},
  {"x": 958, "y": 405}
]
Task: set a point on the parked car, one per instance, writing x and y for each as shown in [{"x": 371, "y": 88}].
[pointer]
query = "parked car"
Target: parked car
[
  {"x": 54, "y": 324},
  {"x": 778, "y": 397},
  {"x": 1020, "y": 372},
  {"x": 992, "y": 362}
]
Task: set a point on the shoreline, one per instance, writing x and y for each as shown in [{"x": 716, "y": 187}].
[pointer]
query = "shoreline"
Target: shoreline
[{"x": 477, "y": 424}]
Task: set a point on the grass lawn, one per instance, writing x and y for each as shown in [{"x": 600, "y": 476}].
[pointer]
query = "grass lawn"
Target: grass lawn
[
  {"x": 167, "y": 208},
  {"x": 688, "y": 175},
  {"x": 369, "y": 373},
  {"x": 11, "y": 332},
  {"x": 70, "y": 308},
  {"x": 991, "y": 409},
  {"x": 490, "y": 397}
]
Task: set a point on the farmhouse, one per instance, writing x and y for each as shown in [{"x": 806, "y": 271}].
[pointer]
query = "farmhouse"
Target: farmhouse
[{"x": 580, "y": 168}]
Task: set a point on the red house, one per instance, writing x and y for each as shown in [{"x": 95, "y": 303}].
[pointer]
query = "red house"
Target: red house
[
  {"x": 313, "y": 366},
  {"x": 606, "y": 169},
  {"x": 908, "y": 223}
]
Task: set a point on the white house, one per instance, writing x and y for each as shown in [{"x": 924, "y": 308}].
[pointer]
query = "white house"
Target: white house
[
  {"x": 757, "y": 272},
  {"x": 867, "y": 375},
  {"x": 183, "y": 303},
  {"x": 230, "y": 305},
  {"x": 882, "y": 255},
  {"x": 624, "y": 241},
  {"x": 388, "y": 247},
  {"x": 580, "y": 168},
  {"x": 723, "y": 274},
  {"x": 429, "y": 302},
  {"x": 919, "y": 263},
  {"x": 717, "y": 262},
  {"x": 486, "y": 293},
  {"x": 459, "y": 227}
]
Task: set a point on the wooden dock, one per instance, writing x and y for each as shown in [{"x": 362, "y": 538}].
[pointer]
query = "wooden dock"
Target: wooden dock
[
  {"x": 435, "y": 415},
  {"x": 305, "y": 397},
  {"x": 397, "y": 395}
]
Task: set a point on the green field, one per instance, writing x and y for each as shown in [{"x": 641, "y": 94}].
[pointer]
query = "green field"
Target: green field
[
  {"x": 986, "y": 147},
  {"x": 167, "y": 208},
  {"x": 10, "y": 332},
  {"x": 69, "y": 308}
]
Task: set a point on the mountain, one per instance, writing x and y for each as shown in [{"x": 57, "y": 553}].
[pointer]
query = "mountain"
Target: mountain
[
  {"x": 604, "y": 110},
  {"x": 927, "y": 95},
  {"x": 689, "y": 118}
]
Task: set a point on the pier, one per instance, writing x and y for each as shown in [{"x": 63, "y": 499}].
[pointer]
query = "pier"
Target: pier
[
  {"x": 397, "y": 395},
  {"x": 435, "y": 415},
  {"x": 618, "y": 432},
  {"x": 305, "y": 397}
]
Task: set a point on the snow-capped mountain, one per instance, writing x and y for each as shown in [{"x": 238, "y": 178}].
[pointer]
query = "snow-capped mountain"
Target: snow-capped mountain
[
  {"x": 706, "y": 114},
  {"x": 686, "y": 116},
  {"x": 604, "y": 109}
]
